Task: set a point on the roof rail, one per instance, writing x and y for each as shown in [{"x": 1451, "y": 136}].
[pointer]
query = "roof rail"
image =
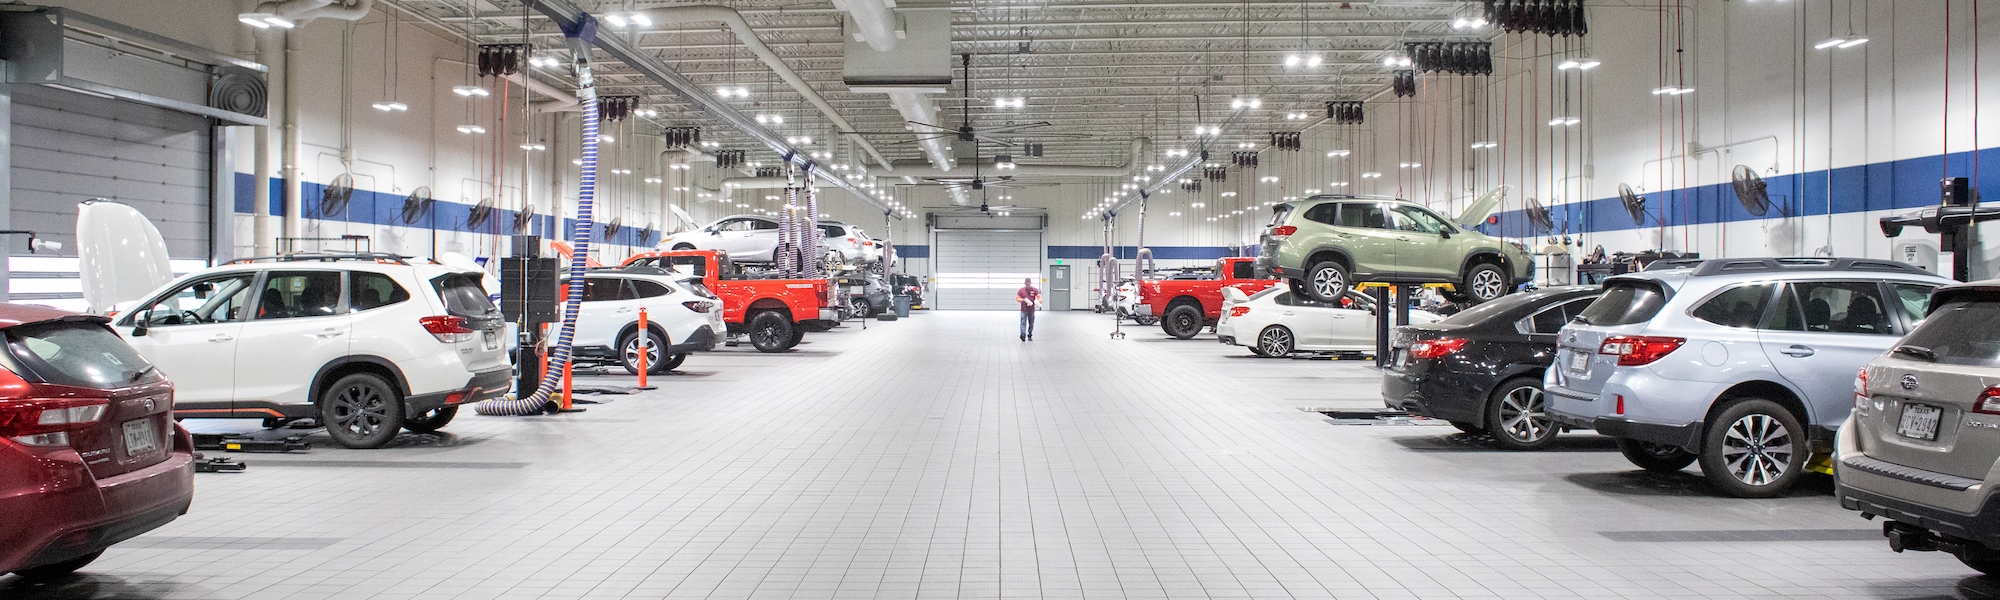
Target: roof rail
[
  {"x": 1673, "y": 263},
  {"x": 325, "y": 257},
  {"x": 1731, "y": 266}
]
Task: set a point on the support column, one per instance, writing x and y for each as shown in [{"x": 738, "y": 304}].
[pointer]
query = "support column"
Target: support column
[
  {"x": 6, "y": 178},
  {"x": 221, "y": 195}
]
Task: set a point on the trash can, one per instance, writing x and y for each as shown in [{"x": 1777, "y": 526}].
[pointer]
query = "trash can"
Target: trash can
[{"x": 902, "y": 306}]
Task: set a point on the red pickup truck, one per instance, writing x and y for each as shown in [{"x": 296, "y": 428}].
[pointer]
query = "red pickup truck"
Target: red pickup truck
[
  {"x": 1184, "y": 306},
  {"x": 776, "y": 313}
]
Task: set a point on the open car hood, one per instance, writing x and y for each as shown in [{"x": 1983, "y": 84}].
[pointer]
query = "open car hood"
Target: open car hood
[
  {"x": 1482, "y": 207},
  {"x": 682, "y": 220},
  {"x": 120, "y": 255}
]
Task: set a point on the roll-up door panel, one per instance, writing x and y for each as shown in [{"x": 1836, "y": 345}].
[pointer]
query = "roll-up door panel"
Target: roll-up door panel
[
  {"x": 71, "y": 147},
  {"x": 981, "y": 270}
]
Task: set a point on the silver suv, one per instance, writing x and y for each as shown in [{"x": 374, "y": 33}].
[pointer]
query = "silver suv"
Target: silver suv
[
  {"x": 1743, "y": 364},
  {"x": 1922, "y": 447}
]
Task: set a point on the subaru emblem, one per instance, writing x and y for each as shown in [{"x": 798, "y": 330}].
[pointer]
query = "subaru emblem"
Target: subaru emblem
[{"x": 1909, "y": 382}]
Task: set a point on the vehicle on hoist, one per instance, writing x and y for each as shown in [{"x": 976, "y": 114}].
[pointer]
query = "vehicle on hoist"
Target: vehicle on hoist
[
  {"x": 776, "y": 313},
  {"x": 1184, "y": 306}
]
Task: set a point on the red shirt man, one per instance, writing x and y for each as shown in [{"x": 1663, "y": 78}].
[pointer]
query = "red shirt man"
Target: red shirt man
[{"x": 1029, "y": 298}]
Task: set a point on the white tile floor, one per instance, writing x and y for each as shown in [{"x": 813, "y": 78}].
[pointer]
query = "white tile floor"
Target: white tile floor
[{"x": 938, "y": 456}]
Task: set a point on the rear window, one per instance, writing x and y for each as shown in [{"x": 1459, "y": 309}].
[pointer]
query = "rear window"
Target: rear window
[
  {"x": 463, "y": 296},
  {"x": 1625, "y": 303},
  {"x": 77, "y": 354},
  {"x": 1740, "y": 306},
  {"x": 1278, "y": 214},
  {"x": 694, "y": 284},
  {"x": 1488, "y": 310},
  {"x": 1961, "y": 332}
]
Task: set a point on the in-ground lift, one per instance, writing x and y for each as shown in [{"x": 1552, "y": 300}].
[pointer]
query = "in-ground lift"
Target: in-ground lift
[{"x": 1403, "y": 293}]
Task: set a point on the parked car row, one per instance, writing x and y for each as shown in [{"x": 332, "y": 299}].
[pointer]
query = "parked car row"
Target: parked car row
[{"x": 1757, "y": 370}]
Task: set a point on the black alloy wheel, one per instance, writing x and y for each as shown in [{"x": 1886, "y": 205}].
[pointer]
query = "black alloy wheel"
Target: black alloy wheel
[
  {"x": 361, "y": 411},
  {"x": 1183, "y": 321}
]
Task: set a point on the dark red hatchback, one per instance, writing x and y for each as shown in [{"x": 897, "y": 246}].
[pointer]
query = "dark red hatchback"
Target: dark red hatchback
[{"x": 90, "y": 454}]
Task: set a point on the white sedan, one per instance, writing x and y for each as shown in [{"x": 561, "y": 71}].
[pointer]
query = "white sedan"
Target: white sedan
[{"x": 1277, "y": 322}]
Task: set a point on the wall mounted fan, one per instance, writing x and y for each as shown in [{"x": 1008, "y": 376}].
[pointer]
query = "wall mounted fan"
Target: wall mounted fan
[{"x": 417, "y": 205}]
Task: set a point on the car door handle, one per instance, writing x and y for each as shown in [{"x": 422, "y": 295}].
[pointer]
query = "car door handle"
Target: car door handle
[
  {"x": 329, "y": 332},
  {"x": 221, "y": 337},
  {"x": 1289, "y": 313},
  {"x": 624, "y": 310},
  {"x": 1798, "y": 351}
]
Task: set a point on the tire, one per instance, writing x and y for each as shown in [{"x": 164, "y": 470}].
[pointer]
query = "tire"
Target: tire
[
  {"x": 770, "y": 331},
  {"x": 798, "y": 335},
  {"x": 1982, "y": 559},
  {"x": 58, "y": 570},
  {"x": 860, "y": 307},
  {"x": 1183, "y": 321},
  {"x": 628, "y": 353},
  {"x": 1658, "y": 458},
  {"x": 1485, "y": 282},
  {"x": 361, "y": 410},
  {"x": 1275, "y": 341},
  {"x": 1469, "y": 427},
  {"x": 1754, "y": 449},
  {"x": 674, "y": 362},
  {"x": 431, "y": 421},
  {"x": 1327, "y": 280},
  {"x": 684, "y": 246},
  {"x": 1517, "y": 416}
]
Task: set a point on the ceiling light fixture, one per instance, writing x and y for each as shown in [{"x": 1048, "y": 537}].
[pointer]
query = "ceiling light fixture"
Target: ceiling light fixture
[
  {"x": 1009, "y": 102},
  {"x": 770, "y": 119},
  {"x": 1246, "y": 145},
  {"x": 262, "y": 20},
  {"x": 738, "y": 91},
  {"x": 1270, "y": 179},
  {"x": 533, "y": 147},
  {"x": 1295, "y": 116},
  {"x": 1310, "y": 192},
  {"x": 470, "y": 91},
  {"x": 1208, "y": 130},
  {"x": 1564, "y": 121},
  {"x": 1177, "y": 152},
  {"x": 1580, "y": 64},
  {"x": 542, "y": 61},
  {"x": 1338, "y": 184},
  {"x": 391, "y": 106},
  {"x": 1396, "y": 61},
  {"x": 1464, "y": 23},
  {"x": 1229, "y": 194},
  {"x": 1671, "y": 90},
  {"x": 1003, "y": 162},
  {"x": 1371, "y": 175},
  {"x": 1243, "y": 103},
  {"x": 1484, "y": 145},
  {"x": 471, "y": 129},
  {"x": 1337, "y": 153}
]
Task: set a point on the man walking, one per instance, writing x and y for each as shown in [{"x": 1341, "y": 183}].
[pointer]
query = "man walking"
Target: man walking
[{"x": 1029, "y": 298}]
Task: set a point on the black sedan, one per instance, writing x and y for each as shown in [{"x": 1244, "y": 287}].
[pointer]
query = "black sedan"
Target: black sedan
[{"x": 1482, "y": 369}]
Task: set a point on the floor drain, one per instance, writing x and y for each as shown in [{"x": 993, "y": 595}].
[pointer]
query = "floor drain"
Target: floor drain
[{"x": 1372, "y": 416}]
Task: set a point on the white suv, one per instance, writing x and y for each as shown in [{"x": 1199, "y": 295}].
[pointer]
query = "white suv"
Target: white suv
[
  {"x": 367, "y": 344},
  {"x": 682, "y": 316}
]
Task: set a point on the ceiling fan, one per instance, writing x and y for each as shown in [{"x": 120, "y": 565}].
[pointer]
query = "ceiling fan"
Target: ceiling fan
[
  {"x": 990, "y": 209},
  {"x": 965, "y": 132},
  {"x": 978, "y": 183}
]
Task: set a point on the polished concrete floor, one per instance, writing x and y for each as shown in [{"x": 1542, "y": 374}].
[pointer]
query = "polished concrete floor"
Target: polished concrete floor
[{"x": 938, "y": 456}]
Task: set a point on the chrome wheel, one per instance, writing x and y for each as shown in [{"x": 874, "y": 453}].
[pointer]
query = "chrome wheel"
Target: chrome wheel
[
  {"x": 1522, "y": 417},
  {"x": 1328, "y": 283},
  {"x": 631, "y": 353},
  {"x": 1275, "y": 341},
  {"x": 1757, "y": 449},
  {"x": 1487, "y": 285}
]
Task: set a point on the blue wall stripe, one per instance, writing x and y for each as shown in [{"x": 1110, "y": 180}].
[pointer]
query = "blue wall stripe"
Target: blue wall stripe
[
  {"x": 1899, "y": 184},
  {"x": 376, "y": 208}
]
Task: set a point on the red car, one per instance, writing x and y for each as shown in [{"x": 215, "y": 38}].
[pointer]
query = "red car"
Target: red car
[
  {"x": 776, "y": 313},
  {"x": 90, "y": 454},
  {"x": 1184, "y": 306}
]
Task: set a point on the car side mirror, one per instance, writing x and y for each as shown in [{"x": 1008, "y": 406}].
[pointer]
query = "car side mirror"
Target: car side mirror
[
  {"x": 1444, "y": 234},
  {"x": 141, "y": 322}
]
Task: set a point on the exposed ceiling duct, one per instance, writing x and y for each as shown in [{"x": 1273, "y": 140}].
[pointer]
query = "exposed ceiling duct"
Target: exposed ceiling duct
[
  {"x": 765, "y": 183},
  {"x": 307, "y": 10},
  {"x": 729, "y": 16},
  {"x": 1140, "y": 146}
]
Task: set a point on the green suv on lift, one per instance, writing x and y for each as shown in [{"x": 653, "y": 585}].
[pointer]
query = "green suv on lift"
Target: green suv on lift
[{"x": 1324, "y": 244}]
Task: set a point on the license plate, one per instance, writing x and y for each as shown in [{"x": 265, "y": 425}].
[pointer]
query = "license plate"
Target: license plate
[
  {"x": 492, "y": 340},
  {"x": 140, "y": 437},
  {"x": 1920, "y": 422},
  {"x": 1579, "y": 362}
]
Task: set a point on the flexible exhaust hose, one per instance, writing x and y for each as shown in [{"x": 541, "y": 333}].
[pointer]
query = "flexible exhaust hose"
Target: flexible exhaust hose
[{"x": 542, "y": 400}]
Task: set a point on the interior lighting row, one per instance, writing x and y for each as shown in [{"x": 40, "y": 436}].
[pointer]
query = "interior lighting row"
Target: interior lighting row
[
  {"x": 1243, "y": 103},
  {"x": 1009, "y": 102},
  {"x": 1580, "y": 64},
  {"x": 1306, "y": 61},
  {"x": 1845, "y": 41},
  {"x": 736, "y": 92},
  {"x": 770, "y": 119},
  {"x": 265, "y": 20},
  {"x": 1672, "y": 90}
]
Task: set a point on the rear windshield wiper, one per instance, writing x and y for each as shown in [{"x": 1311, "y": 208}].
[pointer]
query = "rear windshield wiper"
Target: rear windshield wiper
[
  {"x": 142, "y": 372},
  {"x": 1917, "y": 352},
  {"x": 1582, "y": 319}
]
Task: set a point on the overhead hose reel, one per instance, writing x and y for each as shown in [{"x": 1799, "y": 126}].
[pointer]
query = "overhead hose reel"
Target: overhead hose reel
[{"x": 541, "y": 400}]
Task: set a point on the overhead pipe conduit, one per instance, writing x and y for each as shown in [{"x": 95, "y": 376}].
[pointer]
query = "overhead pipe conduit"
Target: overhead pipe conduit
[
  {"x": 1133, "y": 164},
  {"x": 300, "y": 11},
  {"x": 729, "y": 16},
  {"x": 579, "y": 260}
]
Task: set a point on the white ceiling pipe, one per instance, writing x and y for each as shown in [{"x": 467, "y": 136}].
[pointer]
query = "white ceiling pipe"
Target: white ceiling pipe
[
  {"x": 558, "y": 100},
  {"x": 918, "y": 107},
  {"x": 729, "y": 16},
  {"x": 874, "y": 23},
  {"x": 986, "y": 168},
  {"x": 306, "y": 10},
  {"x": 765, "y": 183}
]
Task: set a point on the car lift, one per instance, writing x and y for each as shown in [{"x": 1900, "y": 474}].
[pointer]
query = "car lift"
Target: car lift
[{"x": 1403, "y": 293}]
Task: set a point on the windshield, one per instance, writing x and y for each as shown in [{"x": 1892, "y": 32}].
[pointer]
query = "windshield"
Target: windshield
[
  {"x": 1625, "y": 303},
  {"x": 78, "y": 354},
  {"x": 1960, "y": 332}
]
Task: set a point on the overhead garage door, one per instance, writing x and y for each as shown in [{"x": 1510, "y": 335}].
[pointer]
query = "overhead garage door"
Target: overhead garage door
[
  {"x": 69, "y": 147},
  {"x": 981, "y": 270}
]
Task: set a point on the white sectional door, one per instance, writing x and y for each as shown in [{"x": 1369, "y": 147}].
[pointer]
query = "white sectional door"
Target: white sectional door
[{"x": 981, "y": 270}]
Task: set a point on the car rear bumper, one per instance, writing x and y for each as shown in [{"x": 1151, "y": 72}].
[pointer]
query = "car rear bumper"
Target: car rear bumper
[
  {"x": 63, "y": 513},
  {"x": 481, "y": 386},
  {"x": 1955, "y": 508},
  {"x": 1432, "y": 391},
  {"x": 702, "y": 340}
]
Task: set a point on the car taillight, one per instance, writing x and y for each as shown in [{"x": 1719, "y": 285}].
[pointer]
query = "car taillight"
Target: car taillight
[
  {"x": 1988, "y": 402},
  {"x": 1284, "y": 231},
  {"x": 1861, "y": 390},
  {"x": 868, "y": 244},
  {"x": 447, "y": 328},
  {"x": 1638, "y": 350},
  {"x": 1239, "y": 311},
  {"x": 48, "y": 421},
  {"x": 698, "y": 305},
  {"x": 1429, "y": 349}
]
